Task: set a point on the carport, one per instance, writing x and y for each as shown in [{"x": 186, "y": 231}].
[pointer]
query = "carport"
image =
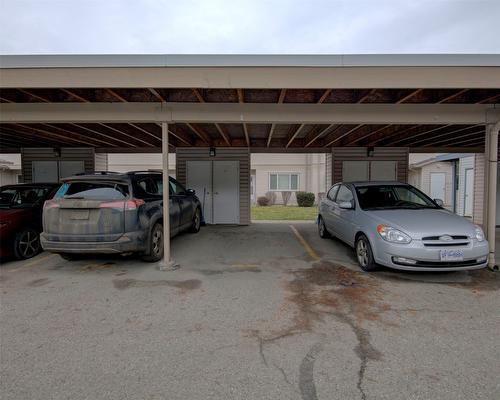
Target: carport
[{"x": 220, "y": 104}]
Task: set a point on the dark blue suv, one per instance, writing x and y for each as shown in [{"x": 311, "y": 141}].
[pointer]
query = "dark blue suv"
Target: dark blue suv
[{"x": 109, "y": 213}]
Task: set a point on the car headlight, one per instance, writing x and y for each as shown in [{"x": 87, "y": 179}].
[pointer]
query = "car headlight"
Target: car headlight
[
  {"x": 479, "y": 234},
  {"x": 393, "y": 235}
]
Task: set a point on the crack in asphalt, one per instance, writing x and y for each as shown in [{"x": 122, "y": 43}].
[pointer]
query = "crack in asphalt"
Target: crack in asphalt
[{"x": 307, "y": 386}]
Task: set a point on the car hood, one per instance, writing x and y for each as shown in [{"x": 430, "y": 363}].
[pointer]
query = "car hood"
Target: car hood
[{"x": 425, "y": 222}]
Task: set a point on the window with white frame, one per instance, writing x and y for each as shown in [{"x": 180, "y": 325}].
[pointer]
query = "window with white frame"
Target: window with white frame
[{"x": 284, "y": 181}]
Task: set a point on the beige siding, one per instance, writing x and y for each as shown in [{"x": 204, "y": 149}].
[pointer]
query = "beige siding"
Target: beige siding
[
  {"x": 464, "y": 164},
  {"x": 101, "y": 162},
  {"x": 438, "y": 167},
  {"x": 479, "y": 188},
  {"x": 28, "y": 155},
  {"x": 309, "y": 167},
  {"x": 124, "y": 162},
  {"x": 398, "y": 154},
  {"x": 235, "y": 154}
]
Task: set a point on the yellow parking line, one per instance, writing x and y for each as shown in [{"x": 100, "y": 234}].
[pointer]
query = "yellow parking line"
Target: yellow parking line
[
  {"x": 306, "y": 246},
  {"x": 34, "y": 262}
]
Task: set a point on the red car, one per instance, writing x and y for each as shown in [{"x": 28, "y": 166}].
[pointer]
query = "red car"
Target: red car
[{"x": 21, "y": 218}]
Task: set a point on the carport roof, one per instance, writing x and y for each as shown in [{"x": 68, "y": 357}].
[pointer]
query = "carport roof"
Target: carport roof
[{"x": 244, "y": 90}]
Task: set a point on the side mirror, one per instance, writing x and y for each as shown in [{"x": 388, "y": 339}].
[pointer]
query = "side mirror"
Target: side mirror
[
  {"x": 190, "y": 192},
  {"x": 439, "y": 202},
  {"x": 346, "y": 205}
]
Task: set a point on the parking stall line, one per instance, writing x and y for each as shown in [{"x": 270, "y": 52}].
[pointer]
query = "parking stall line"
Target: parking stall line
[{"x": 306, "y": 245}]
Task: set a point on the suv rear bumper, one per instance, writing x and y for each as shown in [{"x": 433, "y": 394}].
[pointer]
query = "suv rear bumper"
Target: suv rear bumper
[{"x": 129, "y": 242}]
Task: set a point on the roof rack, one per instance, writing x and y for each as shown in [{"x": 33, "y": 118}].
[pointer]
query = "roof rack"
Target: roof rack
[
  {"x": 149, "y": 171},
  {"x": 98, "y": 173}
]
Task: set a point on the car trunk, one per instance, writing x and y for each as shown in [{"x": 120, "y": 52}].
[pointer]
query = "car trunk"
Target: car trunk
[{"x": 86, "y": 215}]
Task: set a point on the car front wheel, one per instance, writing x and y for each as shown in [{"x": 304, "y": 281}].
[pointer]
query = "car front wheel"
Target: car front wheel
[{"x": 364, "y": 254}]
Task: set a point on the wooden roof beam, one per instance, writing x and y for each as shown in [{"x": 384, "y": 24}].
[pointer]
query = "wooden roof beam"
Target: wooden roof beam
[
  {"x": 451, "y": 97},
  {"x": 200, "y": 133},
  {"x": 76, "y": 96},
  {"x": 223, "y": 134},
  {"x": 133, "y": 137},
  {"x": 198, "y": 95},
  {"x": 27, "y": 92},
  {"x": 56, "y": 136},
  {"x": 116, "y": 95},
  {"x": 409, "y": 96},
  {"x": 155, "y": 93},
  {"x": 85, "y": 128},
  {"x": 315, "y": 137},
  {"x": 95, "y": 138},
  {"x": 331, "y": 142},
  {"x": 294, "y": 135}
]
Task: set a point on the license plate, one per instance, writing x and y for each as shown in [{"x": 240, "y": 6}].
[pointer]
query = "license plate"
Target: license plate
[
  {"x": 79, "y": 214},
  {"x": 451, "y": 255}
]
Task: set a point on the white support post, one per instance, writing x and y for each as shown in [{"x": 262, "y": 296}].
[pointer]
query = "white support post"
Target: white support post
[
  {"x": 492, "y": 165},
  {"x": 167, "y": 263}
]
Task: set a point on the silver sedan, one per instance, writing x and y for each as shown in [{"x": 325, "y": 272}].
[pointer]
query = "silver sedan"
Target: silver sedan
[{"x": 396, "y": 225}]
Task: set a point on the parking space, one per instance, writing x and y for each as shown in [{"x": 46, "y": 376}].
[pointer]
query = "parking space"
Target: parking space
[{"x": 262, "y": 311}]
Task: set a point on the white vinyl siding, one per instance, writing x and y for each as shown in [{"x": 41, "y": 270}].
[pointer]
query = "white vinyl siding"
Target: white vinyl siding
[{"x": 284, "y": 181}]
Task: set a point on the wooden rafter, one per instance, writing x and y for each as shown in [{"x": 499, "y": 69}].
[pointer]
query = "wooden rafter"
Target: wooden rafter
[
  {"x": 198, "y": 95},
  {"x": 325, "y": 94},
  {"x": 363, "y": 98},
  {"x": 85, "y": 128},
  {"x": 64, "y": 138},
  {"x": 294, "y": 135},
  {"x": 457, "y": 133},
  {"x": 116, "y": 95},
  {"x": 200, "y": 133},
  {"x": 491, "y": 98},
  {"x": 121, "y": 132},
  {"x": 425, "y": 132},
  {"x": 408, "y": 96},
  {"x": 155, "y": 93},
  {"x": 281, "y": 99},
  {"x": 27, "y": 92},
  {"x": 223, "y": 134},
  {"x": 319, "y": 135},
  {"x": 247, "y": 136},
  {"x": 20, "y": 136},
  {"x": 343, "y": 135},
  {"x": 95, "y": 138},
  {"x": 448, "y": 98},
  {"x": 145, "y": 131},
  {"x": 76, "y": 96},
  {"x": 241, "y": 96},
  {"x": 357, "y": 138}
]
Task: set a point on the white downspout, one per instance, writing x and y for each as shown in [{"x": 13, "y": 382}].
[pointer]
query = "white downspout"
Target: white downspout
[{"x": 492, "y": 157}]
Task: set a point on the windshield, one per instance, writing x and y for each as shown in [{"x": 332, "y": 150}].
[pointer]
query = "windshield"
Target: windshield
[
  {"x": 391, "y": 197},
  {"x": 92, "y": 191},
  {"x": 22, "y": 197}
]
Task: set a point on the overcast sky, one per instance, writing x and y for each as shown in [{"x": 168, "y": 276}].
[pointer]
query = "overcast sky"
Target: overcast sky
[{"x": 249, "y": 27}]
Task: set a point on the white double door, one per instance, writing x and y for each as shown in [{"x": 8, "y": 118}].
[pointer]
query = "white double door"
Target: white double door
[{"x": 217, "y": 186}]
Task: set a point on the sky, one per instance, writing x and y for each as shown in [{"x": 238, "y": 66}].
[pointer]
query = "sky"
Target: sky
[{"x": 249, "y": 27}]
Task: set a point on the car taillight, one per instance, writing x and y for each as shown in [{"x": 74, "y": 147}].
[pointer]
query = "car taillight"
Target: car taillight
[
  {"x": 133, "y": 204},
  {"x": 50, "y": 204}
]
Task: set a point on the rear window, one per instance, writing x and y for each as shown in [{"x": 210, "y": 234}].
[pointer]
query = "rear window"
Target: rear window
[{"x": 93, "y": 191}]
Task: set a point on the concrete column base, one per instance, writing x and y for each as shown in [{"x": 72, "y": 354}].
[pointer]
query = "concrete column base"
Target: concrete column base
[{"x": 168, "y": 266}]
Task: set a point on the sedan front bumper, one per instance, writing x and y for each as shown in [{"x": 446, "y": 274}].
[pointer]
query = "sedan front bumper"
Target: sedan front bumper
[{"x": 426, "y": 258}]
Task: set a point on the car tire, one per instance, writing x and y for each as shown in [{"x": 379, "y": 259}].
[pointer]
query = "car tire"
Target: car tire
[
  {"x": 155, "y": 244},
  {"x": 70, "y": 256},
  {"x": 195, "y": 226},
  {"x": 27, "y": 244},
  {"x": 364, "y": 254},
  {"x": 323, "y": 232}
]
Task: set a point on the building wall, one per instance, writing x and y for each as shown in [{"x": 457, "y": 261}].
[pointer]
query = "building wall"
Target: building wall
[
  {"x": 235, "y": 154},
  {"x": 28, "y": 155},
  {"x": 398, "y": 154},
  {"x": 123, "y": 162},
  {"x": 437, "y": 167},
  {"x": 479, "y": 188},
  {"x": 309, "y": 167},
  {"x": 11, "y": 169},
  {"x": 464, "y": 164}
]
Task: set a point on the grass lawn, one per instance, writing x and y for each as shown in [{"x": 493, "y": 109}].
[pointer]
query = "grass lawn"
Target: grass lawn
[{"x": 284, "y": 213}]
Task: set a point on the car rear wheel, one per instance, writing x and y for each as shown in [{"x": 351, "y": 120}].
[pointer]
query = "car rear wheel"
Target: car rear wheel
[
  {"x": 323, "y": 232},
  {"x": 364, "y": 254},
  {"x": 27, "y": 244},
  {"x": 155, "y": 244},
  {"x": 195, "y": 227}
]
